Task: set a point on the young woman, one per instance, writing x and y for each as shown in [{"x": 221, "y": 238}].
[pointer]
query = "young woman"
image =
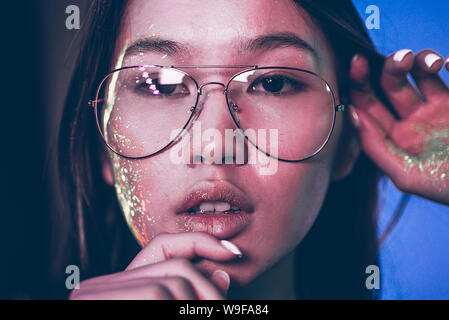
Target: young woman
[{"x": 212, "y": 227}]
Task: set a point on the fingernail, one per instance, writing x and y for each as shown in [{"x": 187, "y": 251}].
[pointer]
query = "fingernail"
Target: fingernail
[
  {"x": 224, "y": 276},
  {"x": 354, "y": 117},
  {"x": 355, "y": 57},
  {"x": 399, "y": 55},
  {"x": 232, "y": 247},
  {"x": 447, "y": 60},
  {"x": 430, "y": 59}
]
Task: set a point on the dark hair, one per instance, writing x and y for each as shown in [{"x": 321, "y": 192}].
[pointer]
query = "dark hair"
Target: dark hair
[{"x": 333, "y": 256}]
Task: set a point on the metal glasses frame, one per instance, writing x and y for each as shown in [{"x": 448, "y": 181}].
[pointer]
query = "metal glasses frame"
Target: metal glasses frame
[{"x": 94, "y": 103}]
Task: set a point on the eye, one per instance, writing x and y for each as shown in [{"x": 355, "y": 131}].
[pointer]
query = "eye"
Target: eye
[
  {"x": 152, "y": 87},
  {"x": 275, "y": 85}
]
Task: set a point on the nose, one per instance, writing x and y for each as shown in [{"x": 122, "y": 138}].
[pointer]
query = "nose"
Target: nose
[
  {"x": 200, "y": 90},
  {"x": 220, "y": 142}
]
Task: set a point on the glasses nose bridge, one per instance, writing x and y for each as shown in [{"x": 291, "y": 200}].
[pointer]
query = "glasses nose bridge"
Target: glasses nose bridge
[
  {"x": 200, "y": 89},
  {"x": 201, "y": 106}
]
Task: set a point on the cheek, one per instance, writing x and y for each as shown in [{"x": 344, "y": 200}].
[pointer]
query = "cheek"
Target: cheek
[
  {"x": 292, "y": 199},
  {"x": 297, "y": 197},
  {"x": 310, "y": 192},
  {"x": 288, "y": 204},
  {"x": 131, "y": 195}
]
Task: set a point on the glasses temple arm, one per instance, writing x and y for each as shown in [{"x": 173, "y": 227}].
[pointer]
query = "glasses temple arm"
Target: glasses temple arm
[{"x": 92, "y": 103}]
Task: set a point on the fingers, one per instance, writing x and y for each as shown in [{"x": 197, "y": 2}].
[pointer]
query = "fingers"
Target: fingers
[
  {"x": 187, "y": 245},
  {"x": 178, "y": 287},
  {"x": 176, "y": 248},
  {"x": 177, "y": 274},
  {"x": 375, "y": 143},
  {"x": 363, "y": 95},
  {"x": 134, "y": 289},
  {"x": 425, "y": 71},
  {"x": 399, "y": 91},
  {"x": 424, "y": 68},
  {"x": 447, "y": 63},
  {"x": 175, "y": 287},
  {"x": 180, "y": 267},
  {"x": 222, "y": 280},
  {"x": 162, "y": 270}
]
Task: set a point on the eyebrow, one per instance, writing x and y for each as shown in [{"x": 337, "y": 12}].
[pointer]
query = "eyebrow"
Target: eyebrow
[
  {"x": 278, "y": 40},
  {"x": 159, "y": 45},
  {"x": 260, "y": 43}
]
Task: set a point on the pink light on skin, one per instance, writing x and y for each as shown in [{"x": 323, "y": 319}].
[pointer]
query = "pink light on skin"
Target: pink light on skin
[
  {"x": 132, "y": 198},
  {"x": 288, "y": 192}
]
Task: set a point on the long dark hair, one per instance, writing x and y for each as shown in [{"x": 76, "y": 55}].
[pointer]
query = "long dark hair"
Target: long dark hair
[{"x": 333, "y": 256}]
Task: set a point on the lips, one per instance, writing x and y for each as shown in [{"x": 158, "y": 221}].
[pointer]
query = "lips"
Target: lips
[
  {"x": 215, "y": 207},
  {"x": 219, "y": 192}
]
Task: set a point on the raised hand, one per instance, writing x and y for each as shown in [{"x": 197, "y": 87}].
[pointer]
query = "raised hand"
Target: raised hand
[{"x": 413, "y": 150}]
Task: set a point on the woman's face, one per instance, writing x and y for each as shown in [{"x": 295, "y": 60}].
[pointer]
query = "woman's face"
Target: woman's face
[{"x": 280, "y": 207}]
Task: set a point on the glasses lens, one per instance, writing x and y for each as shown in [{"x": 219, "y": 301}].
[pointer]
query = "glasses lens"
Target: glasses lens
[
  {"x": 143, "y": 108},
  {"x": 296, "y": 106}
]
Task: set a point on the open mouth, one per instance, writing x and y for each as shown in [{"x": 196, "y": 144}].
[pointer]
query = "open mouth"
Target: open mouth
[
  {"x": 215, "y": 198},
  {"x": 214, "y": 207}
]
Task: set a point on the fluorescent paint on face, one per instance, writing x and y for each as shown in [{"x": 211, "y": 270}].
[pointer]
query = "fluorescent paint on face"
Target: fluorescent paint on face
[
  {"x": 123, "y": 142},
  {"x": 434, "y": 157},
  {"x": 130, "y": 193},
  {"x": 127, "y": 173}
]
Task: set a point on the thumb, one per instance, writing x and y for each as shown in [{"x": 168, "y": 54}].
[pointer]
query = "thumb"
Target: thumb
[{"x": 222, "y": 280}]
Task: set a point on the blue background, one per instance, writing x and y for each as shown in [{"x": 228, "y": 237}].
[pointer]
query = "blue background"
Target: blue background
[{"x": 415, "y": 257}]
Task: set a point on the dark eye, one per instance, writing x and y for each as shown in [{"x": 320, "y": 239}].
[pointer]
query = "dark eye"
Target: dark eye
[
  {"x": 275, "y": 85},
  {"x": 152, "y": 87}
]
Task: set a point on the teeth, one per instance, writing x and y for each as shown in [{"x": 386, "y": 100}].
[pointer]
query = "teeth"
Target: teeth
[
  {"x": 215, "y": 206},
  {"x": 210, "y": 207}
]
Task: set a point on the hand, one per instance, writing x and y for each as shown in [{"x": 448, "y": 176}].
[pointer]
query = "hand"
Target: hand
[
  {"x": 163, "y": 270},
  {"x": 413, "y": 150}
]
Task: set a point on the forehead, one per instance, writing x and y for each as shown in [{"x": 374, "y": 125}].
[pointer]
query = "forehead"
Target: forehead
[
  {"x": 218, "y": 20},
  {"x": 215, "y": 22},
  {"x": 213, "y": 31}
]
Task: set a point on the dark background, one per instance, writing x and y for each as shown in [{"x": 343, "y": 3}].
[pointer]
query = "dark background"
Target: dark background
[
  {"x": 36, "y": 66},
  {"x": 24, "y": 224}
]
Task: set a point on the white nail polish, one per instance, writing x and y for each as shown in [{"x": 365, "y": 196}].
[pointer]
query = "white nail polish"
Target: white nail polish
[
  {"x": 399, "y": 55},
  {"x": 430, "y": 59},
  {"x": 224, "y": 275},
  {"x": 447, "y": 60},
  {"x": 231, "y": 247}
]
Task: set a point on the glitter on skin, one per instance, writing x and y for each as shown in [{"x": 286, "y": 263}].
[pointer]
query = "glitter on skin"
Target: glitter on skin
[
  {"x": 123, "y": 142},
  {"x": 434, "y": 157},
  {"x": 127, "y": 176},
  {"x": 128, "y": 173}
]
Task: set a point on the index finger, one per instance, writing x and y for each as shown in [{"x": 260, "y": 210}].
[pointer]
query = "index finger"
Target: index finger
[{"x": 187, "y": 245}]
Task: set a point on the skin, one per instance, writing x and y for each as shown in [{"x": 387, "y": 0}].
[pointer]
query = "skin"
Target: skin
[
  {"x": 400, "y": 147},
  {"x": 177, "y": 264}
]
